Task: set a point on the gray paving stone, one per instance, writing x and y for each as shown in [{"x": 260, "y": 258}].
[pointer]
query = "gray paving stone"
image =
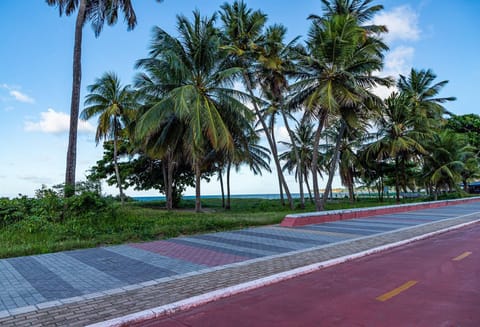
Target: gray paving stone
[
  {"x": 290, "y": 237},
  {"x": 14, "y": 285},
  {"x": 271, "y": 241},
  {"x": 340, "y": 229},
  {"x": 171, "y": 264},
  {"x": 81, "y": 276},
  {"x": 122, "y": 268},
  {"x": 220, "y": 247},
  {"x": 45, "y": 282},
  {"x": 225, "y": 239}
]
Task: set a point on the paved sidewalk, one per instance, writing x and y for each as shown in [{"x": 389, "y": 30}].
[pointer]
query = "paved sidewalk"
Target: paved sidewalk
[{"x": 82, "y": 287}]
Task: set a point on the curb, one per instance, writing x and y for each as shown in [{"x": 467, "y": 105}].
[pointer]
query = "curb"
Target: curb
[
  {"x": 302, "y": 219},
  {"x": 265, "y": 281}
]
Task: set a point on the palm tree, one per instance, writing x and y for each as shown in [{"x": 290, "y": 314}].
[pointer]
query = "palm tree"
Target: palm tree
[
  {"x": 303, "y": 134},
  {"x": 426, "y": 107},
  {"x": 246, "y": 151},
  {"x": 114, "y": 104},
  {"x": 336, "y": 82},
  {"x": 200, "y": 90},
  {"x": 165, "y": 141},
  {"x": 397, "y": 138},
  {"x": 275, "y": 64},
  {"x": 443, "y": 166},
  {"x": 97, "y": 12},
  {"x": 349, "y": 162},
  {"x": 360, "y": 9},
  {"x": 243, "y": 38}
]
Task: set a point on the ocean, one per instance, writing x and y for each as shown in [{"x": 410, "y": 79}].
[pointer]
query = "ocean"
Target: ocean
[
  {"x": 217, "y": 196},
  {"x": 233, "y": 196}
]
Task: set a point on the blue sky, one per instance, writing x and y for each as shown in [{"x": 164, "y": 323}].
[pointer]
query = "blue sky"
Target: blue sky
[{"x": 36, "y": 68}]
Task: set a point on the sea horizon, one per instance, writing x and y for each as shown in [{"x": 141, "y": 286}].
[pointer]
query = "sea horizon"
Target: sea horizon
[
  {"x": 271, "y": 196},
  {"x": 267, "y": 196}
]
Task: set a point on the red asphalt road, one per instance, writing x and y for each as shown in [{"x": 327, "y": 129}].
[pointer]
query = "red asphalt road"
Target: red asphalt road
[{"x": 447, "y": 292}]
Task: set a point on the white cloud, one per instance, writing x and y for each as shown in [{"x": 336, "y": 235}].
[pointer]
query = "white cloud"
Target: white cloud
[
  {"x": 402, "y": 24},
  {"x": 398, "y": 61},
  {"x": 19, "y": 96},
  {"x": 16, "y": 94},
  {"x": 52, "y": 121}
]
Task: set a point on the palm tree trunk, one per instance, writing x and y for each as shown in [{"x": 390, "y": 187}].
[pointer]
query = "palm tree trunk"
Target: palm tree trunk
[
  {"x": 165, "y": 180},
  {"x": 282, "y": 200},
  {"x": 297, "y": 158},
  {"x": 351, "y": 192},
  {"x": 316, "y": 145},
  {"x": 397, "y": 181},
  {"x": 115, "y": 164},
  {"x": 280, "y": 184},
  {"x": 198, "y": 203},
  {"x": 272, "y": 145},
  {"x": 170, "y": 167},
  {"x": 308, "y": 187},
  {"x": 220, "y": 177},
  {"x": 229, "y": 167},
  {"x": 75, "y": 101},
  {"x": 333, "y": 164}
]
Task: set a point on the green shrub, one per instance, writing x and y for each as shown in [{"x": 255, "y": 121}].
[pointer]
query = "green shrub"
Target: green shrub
[{"x": 14, "y": 210}]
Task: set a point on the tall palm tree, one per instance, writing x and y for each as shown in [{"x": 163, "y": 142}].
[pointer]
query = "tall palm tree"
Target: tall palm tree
[
  {"x": 97, "y": 12},
  {"x": 397, "y": 138},
  {"x": 337, "y": 80},
  {"x": 246, "y": 151},
  {"x": 243, "y": 38},
  {"x": 114, "y": 105},
  {"x": 200, "y": 90},
  {"x": 275, "y": 64}
]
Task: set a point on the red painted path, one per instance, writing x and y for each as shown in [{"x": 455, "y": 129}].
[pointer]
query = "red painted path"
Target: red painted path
[{"x": 434, "y": 282}]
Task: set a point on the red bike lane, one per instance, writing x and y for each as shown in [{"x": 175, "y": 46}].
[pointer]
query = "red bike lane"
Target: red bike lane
[{"x": 433, "y": 282}]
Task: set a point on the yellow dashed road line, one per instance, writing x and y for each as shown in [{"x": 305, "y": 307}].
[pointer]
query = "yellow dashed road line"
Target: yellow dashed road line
[
  {"x": 462, "y": 256},
  {"x": 398, "y": 290}
]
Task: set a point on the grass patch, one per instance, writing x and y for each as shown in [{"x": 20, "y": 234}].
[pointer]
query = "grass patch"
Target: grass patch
[{"x": 145, "y": 221}]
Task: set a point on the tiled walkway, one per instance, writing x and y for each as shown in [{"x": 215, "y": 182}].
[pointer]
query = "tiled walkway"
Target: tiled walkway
[{"x": 117, "y": 280}]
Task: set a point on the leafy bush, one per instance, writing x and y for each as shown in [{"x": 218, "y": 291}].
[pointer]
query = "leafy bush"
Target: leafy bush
[
  {"x": 49, "y": 205},
  {"x": 12, "y": 211}
]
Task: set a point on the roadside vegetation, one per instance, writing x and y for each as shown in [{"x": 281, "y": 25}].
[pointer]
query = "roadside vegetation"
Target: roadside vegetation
[{"x": 49, "y": 222}]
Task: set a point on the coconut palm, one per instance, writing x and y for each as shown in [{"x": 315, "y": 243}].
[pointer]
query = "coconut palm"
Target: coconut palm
[
  {"x": 337, "y": 81},
  {"x": 349, "y": 163},
  {"x": 397, "y": 138},
  {"x": 275, "y": 64},
  {"x": 98, "y": 12},
  {"x": 303, "y": 134},
  {"x": 200, "y": 91},
  {"x": 425, "y": 104},
  {"x": 443, "y": 166},
  {"x": 243, "y": 38},
  {"x": 114, "y": 105},
  {"x": 360, "y": 9}
]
